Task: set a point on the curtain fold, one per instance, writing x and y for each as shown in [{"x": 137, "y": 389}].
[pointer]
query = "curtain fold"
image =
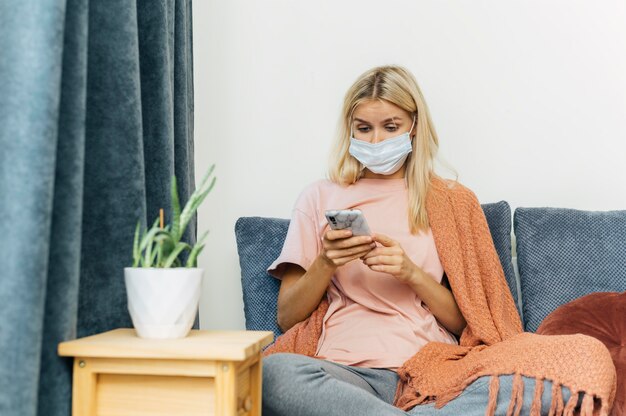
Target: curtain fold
[{"x": 96, "y": 115}]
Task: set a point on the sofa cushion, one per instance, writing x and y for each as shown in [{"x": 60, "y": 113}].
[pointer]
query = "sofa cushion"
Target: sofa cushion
[
  {"x": 600, "y": 315},
  {"x": 259, "y": 243},
  {"x": 498, "y": 216},
  {"x": 260, "y": 240},
  {"x": 563, "y": 254}
]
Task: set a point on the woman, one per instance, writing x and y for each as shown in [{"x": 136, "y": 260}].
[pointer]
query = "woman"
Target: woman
[{"x": 388, "y": 293}]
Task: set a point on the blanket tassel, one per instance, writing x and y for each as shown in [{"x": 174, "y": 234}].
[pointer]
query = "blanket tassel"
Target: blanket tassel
[
  {"x": 494, "y": 386},
  {"x": 535, "y": 409},
  {"x": 556, "y": 405},
  {"x": 517, "y": 396},
  {"x": 571, "y": 404},
  {"x": 604, "y": 408},
  {"x": 586, "y": 408}
]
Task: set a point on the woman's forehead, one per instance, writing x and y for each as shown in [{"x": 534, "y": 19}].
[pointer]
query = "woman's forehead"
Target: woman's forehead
[{"x": 378, "y": 111}]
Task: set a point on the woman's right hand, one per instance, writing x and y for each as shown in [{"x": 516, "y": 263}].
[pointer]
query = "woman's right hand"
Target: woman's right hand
[
  {"x": 341, "y": 247},
  {"x": 301, "y": 291}
]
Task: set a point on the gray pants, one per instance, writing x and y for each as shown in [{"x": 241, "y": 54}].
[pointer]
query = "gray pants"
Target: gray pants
[{"x": 297, "y": 385}]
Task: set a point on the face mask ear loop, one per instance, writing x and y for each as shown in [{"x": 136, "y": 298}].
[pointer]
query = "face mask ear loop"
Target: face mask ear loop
[{"x": 414, "y": 118}]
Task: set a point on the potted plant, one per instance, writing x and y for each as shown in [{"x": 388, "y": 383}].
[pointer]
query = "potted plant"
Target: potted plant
[{"x": 163, "y": 293}]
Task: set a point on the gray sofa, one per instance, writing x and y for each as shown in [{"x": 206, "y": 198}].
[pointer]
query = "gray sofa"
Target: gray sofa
[{"x": 562, "y": 255}]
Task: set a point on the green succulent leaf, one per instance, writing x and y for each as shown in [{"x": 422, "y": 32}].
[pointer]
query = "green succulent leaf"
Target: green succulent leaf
[
  {"x": 149, "y": 235},
  {"x": 180, "y": 246},
  {"x": 196, "y": 199},
  {"x": 161, "y": 247},
  {"x": 165, "y": 244},
  {"x": 149, "y": 240},
  {"x": 153, "y": 256},
  {"x": 195, "y": 251},
  {"x": 136, "y": 251},
  {"x": 159, "y": 257},
  {"x": 176, "y": 230},
  {"x": 193, "y": 257}
]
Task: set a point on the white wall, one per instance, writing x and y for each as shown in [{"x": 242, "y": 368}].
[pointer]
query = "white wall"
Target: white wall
[{"x": 528, "y": 98}]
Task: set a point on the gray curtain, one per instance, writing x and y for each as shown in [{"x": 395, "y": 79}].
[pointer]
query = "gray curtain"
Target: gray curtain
[{"x": 96, "y": 115}]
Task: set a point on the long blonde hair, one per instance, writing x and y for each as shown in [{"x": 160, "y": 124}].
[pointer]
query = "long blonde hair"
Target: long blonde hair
[{"x": 396, "y": 85}]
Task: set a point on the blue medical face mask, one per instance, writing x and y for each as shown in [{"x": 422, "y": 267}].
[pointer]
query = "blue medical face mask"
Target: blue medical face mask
[{"x": 386, "y": 157}]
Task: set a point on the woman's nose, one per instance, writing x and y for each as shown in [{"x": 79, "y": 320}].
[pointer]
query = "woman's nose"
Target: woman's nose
[{"x": 377, "y": 137}]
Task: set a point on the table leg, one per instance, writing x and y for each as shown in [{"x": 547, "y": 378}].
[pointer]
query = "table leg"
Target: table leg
[
  {"x": 256, "y": 392},
  {"x": 225, "y": 389},
  {"x": 84, "y": 389}
]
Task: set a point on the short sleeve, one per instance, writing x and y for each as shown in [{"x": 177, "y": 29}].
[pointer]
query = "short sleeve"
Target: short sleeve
[{"x": 302, "y": 243}]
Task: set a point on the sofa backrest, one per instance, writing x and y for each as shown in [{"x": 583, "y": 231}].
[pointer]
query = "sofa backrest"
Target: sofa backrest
[
  {"x": 563, "y": 254},
  {"x": 260, "y": 241}
]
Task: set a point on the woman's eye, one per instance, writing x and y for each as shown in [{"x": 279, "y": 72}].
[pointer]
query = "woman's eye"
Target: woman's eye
[
  {"x": 363, "y": 129},
  {"x": 391, "y": 128}
]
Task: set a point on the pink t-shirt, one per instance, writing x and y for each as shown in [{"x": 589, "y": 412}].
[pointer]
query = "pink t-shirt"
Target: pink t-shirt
[{"x": 373, "y": 319}]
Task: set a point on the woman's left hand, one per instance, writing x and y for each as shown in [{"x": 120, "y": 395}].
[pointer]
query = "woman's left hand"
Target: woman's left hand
[{"x": 391, "y": 258}]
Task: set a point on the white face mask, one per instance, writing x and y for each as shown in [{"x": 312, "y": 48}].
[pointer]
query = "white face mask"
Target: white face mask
[{"x": 384, "y": 158}]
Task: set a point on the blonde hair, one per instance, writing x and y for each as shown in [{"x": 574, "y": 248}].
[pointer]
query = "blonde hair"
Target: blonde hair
[{"x": 396, "y": 85}]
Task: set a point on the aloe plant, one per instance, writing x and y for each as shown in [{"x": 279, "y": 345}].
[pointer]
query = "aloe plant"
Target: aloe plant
[{"x": 161, "y": 247}]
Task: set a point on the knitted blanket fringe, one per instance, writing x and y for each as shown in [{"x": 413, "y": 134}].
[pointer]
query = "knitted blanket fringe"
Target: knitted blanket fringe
[
  {"x": 493, "y": 342},
  {"x": 516, "y": 402}
]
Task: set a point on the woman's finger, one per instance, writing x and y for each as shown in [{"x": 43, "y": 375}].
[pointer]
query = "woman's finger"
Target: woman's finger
[
  {"x": 393, "y": 270},
  {"x": 384, "y": 240},
  {"x": 348, "y": 259},
  {"x": 348, "y": 242},
  {"x": 348, "y": 252},
  {"x": 386, "y": 251},
  {"x": 389, "y": 260},
  {"x": 332, "y": 235}
]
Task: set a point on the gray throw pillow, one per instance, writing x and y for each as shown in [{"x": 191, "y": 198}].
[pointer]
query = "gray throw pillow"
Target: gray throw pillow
[{"x": 564, "y": 254}]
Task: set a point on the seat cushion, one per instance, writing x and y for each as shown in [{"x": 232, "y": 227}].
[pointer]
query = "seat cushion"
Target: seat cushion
[
  {"x": 600, "y": 315},
  {"x": 260, "y": 241},
  {"x": 564, "y": 254}
]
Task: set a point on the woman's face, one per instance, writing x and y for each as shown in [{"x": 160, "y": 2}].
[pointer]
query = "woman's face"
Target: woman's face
[{"x": 376, "y": 120}]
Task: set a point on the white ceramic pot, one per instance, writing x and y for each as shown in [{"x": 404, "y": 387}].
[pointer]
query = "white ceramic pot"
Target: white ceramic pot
[{"x": 163, "y": 303}]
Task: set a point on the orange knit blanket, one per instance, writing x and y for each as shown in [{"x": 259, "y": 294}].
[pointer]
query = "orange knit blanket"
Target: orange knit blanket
[{"x": 493, "y": 342}]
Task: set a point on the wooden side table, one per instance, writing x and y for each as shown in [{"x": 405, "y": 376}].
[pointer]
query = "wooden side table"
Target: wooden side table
[{"x": 206, "y": 373}]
